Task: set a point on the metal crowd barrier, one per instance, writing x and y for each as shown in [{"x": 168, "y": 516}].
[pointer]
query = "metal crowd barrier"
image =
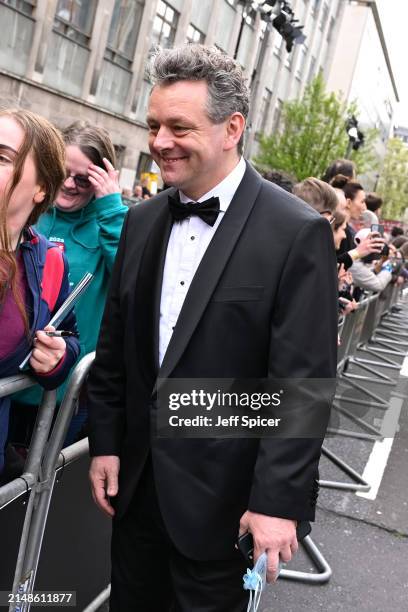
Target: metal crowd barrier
[
  {"x": 39, "y": 471},
  {"x": 358, "y": 332},
  {"x": 361, "y": 332},
  {"x": 29, "y": 478}
]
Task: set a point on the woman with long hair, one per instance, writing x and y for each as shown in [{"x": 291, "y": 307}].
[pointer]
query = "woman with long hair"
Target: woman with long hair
[
  {"x": 85, "y": 221},
  {"x": 32, "y": 168}
]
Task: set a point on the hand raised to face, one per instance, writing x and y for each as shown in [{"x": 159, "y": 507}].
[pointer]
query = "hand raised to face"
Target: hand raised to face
[{"x": 103, "y": 181}]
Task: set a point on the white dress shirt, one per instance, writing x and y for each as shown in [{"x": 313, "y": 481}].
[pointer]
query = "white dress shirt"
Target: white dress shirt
[{"x": 188, "y": 242}]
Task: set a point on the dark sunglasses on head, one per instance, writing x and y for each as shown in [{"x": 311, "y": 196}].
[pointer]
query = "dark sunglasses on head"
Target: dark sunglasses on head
[{"x": 80, "y": 180}]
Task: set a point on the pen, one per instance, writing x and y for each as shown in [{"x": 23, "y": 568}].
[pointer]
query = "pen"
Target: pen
[{"x": 61, "y": 334}]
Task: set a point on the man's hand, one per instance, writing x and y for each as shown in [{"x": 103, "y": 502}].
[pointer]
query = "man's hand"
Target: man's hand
[
  {"x": 47, "y": 352},
  {"x": 103, "y": 474},
  {"x": 276, "y": 536}
]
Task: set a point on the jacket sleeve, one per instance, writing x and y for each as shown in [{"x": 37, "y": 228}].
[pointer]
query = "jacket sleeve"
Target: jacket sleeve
[
  {"x": 106, "y": 382},
  {"x": 345, "y": 259},
  {"x": 110, "y": 215},
  {"x": 366, "y": 279},
  {"x": 56, "y": 377},
  {"x": 303, "y": 344}
]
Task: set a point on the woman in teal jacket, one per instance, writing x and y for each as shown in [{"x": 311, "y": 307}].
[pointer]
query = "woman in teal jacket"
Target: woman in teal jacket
[{"x": 86, "y": 223}]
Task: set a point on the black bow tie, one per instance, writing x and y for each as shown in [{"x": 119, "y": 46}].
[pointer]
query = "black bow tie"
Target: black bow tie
[{"x": 207, "y": 211}]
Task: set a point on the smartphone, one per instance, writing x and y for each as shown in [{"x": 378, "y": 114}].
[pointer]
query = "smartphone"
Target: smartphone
[
  {"x": 377, "y": 227},
  {"x": 246, "y": 543},
  {"x": 246, "y": 546}
]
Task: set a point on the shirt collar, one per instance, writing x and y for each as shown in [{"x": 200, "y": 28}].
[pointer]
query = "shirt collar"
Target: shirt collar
[{"x": 225, "y": 190}]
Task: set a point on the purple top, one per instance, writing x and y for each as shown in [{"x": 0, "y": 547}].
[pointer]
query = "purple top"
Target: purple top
[{"x": 11, "y": 323}]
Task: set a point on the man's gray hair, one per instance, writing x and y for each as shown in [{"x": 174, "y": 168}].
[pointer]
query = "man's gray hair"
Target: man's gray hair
[{"x": 228, "y": 92}]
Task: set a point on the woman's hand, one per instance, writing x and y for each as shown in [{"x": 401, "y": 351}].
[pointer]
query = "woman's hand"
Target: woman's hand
[
  {"x": 373, "y": 243},
  {"x": 48, "y": 351},
  {"x": 103, "y": 181},
  {"x": 344, "y": 277},
  {"x": 348, "y": 305}
]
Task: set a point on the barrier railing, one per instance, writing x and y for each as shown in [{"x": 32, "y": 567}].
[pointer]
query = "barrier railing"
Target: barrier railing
[
  {"x": 361, "y": 332},
  {"x": 28, "y": 479},
  {"x": 41, "y": 491},
  {"x": 358, "y": 331}
]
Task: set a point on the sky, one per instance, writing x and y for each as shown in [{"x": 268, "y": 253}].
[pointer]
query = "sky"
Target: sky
[{"x": 394, "y": 15}]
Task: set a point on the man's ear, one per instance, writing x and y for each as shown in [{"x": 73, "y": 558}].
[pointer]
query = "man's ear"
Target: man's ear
[
  {"x": 234, "y": 129},
  {"x": 39, "y": 196}
]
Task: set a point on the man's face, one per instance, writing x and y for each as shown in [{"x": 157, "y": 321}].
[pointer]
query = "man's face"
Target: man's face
[
  {"x": 73, "y": 196},
  {"x": 193, "y": 153}
]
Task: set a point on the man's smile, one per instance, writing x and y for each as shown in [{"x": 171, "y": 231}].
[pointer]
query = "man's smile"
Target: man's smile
[{"x": 171, "y": 160}]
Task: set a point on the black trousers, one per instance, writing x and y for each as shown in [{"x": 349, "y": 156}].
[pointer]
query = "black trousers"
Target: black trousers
[{"x": 150, "y": 575}]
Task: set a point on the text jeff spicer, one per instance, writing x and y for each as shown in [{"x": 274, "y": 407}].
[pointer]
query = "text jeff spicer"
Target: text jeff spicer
[{"x": 232, "y": 421}]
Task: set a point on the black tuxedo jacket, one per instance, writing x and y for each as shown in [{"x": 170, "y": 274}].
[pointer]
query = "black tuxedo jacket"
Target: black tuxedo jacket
[{"x": 263, "y": 303}]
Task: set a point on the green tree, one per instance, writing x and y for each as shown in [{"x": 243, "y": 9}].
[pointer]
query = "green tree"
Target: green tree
[
  {"x": 313, "y": 135},
  {"x": 393, "y": 183}
]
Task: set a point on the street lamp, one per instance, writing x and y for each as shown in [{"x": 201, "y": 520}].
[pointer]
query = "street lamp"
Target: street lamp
[
  {"x": 282, "y": 18},
  {"x": 276, "y": 14},
  {"x": 356, "y": 136}
]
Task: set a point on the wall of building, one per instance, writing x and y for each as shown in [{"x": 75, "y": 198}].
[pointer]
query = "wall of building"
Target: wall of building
[
  {"x": 285, "y": 75},
  {"x": 91, "y": 65},
  {"x": 360, "y": 72}
]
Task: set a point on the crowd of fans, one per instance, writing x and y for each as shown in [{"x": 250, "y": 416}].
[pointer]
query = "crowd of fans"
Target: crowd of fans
[
  {"x": 60, "y": 194},
  {"x": 140, "y": 192},
  {"x": 367, "y": 258}
]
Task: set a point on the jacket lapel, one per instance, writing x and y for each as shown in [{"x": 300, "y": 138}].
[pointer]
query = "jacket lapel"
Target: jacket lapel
[
  {"x": 211, "y": 267},
  {"x": 148, "y": 292}
]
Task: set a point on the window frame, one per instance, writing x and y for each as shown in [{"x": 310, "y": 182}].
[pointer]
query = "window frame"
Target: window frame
[
  {"x": 202, "y": 35},
  {"x": 173, "y": 25},
  {"x": 80, "y": 36},
  {"x": 19, "y": 9},
  {"x": 120, "y": 58},
  {"x": 264, "y": 112}
]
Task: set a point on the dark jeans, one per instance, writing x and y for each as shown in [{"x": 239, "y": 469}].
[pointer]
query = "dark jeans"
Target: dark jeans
[{"x": 150, "y": 575}]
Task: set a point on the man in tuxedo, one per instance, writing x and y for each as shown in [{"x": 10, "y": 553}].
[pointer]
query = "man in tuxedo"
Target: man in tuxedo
[{"x": 216, "y": 277}]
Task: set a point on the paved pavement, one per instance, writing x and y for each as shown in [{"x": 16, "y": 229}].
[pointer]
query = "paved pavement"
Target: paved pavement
[{"x": 365, "y": 541}]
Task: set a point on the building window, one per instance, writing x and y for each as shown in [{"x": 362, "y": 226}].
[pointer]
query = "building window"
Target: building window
[
  {"x": 123, "y": 31},
  {"x": 325, "y": 14},
  {"x": 141, "y": 101},
  {"x": 194, "y": 35},
  {"x": 277, "y": 115},
  {"x": 278, "y": 46},
  {"x": 164, "y": 25},
  {"x": 74, "y": 18},
  {"x": 24, "y": 6},
  {"x": 311, "y": 69},
  {"x": 330, "y": 30},
  {"x": 264, "y": 111},
  {"x": 289, "y": 60},
  {"x": 302, "y": 62},
  {"x": 315, "y": 7},
  {"x": 145, "y": 164}
]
